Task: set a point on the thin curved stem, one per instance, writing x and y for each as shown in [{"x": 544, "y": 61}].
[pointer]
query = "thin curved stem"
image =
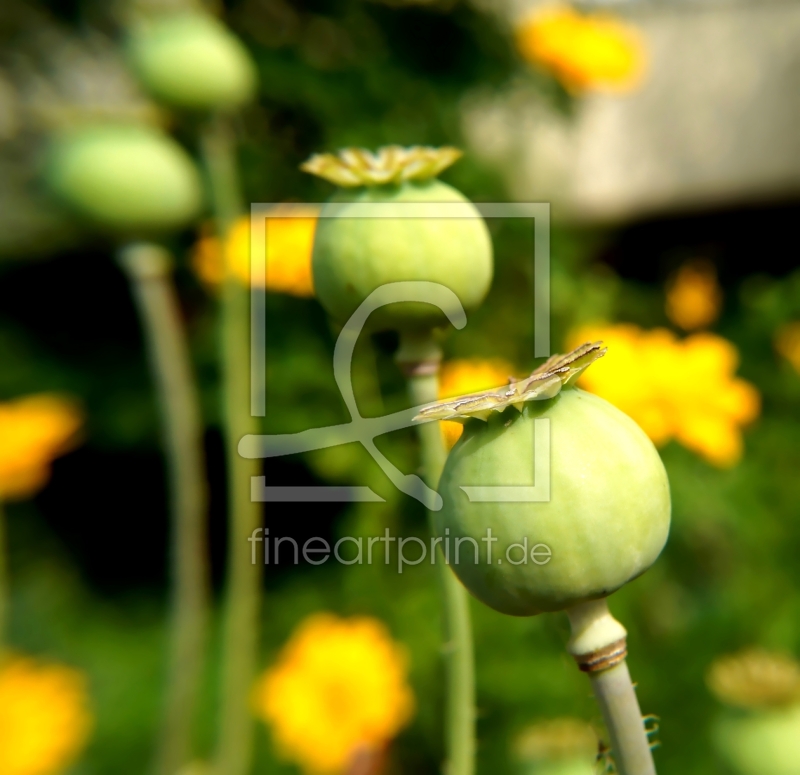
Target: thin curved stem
[
  {"x": 598, "y": 644},
  {"x": 149, "y": 269},
  {"x": 419, "y": 357},
  {"x": 242, "y": 603}
]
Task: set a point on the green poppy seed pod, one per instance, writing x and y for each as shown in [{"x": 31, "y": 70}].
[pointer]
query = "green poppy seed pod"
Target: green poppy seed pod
[
  {"x": 355, "y": 255},
  {"x": 765, "y": 742},
  {"x": 192, "y": 61},
  {"x": 606, "y": 516},
  {"x": 125, "y": 178}
]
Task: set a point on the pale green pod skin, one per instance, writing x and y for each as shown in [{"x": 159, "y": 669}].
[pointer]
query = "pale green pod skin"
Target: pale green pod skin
[
  {"x": 762, "y": 742},
  {"x": 194, "y": 62},
  {"x": 605, "y": 524},
  {"x": 354, "y": 256},
  {"x": 128, "y": 179}
]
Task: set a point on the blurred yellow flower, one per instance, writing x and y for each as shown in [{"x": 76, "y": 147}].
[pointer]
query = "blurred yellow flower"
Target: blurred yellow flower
[
  {"x": 459, "y": 377},
  {"x": 558, "y": 740},
  {"x": 44, "y": 717},
  {"x": 338, "y": 687},
  {"x": 583, "y": 51},
  {"x": 290, "y": 242},
  {"x": 694, "y": 298},
  {"x": 33, "y": 431},
  {"x": 681, "y": 389},
  {"x": 787, "y": 343},
  {"x": 755, "y": 678}
]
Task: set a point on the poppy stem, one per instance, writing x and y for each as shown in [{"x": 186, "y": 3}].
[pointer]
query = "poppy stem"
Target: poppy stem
[
  {"x": 419, "y": 358},
  {"x": 242, "y": 603},
  {"x": 598, "y": 644},
  {"x": 149, "y": 269}
]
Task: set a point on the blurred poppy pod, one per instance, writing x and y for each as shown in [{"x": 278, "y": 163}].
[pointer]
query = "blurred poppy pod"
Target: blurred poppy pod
[
  {"x": 192, "y": 61},
  {"x": 126, "y": 178},
  {"x": 762, "y": 743},
  {"x": 355, "y": 255},
  {"x": 604, "y": 520},
  {"x": 762, "y": 735}
]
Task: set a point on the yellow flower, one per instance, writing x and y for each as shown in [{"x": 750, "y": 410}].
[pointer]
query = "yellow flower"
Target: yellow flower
[
  {"x": 44, "y": 717},
  {"x": 755, "y": 678},
  {"x": 289, "y": 244},
  {"x": 787, "y": 343},
  {"x": 33, "y": 431},
  {"x": 681, "y": 389},
  {"x": 459, "y": 377},
  {"x": 694, "y": 298},
  {"x": 584, "y": 51},
  {"x": 339, "y": 687}
]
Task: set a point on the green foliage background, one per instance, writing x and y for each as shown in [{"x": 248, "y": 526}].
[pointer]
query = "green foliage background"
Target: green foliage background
[{"x": 89, "y": 552}]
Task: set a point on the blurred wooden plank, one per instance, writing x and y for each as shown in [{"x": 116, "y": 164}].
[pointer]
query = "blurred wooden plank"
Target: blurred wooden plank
[{"x": 715, "y": 124}]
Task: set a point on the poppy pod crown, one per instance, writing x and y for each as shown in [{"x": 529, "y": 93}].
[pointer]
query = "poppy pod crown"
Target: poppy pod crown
[{"x": 359, "y": 248}]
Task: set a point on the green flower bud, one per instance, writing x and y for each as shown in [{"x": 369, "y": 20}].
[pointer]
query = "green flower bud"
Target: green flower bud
[
  {"x": 129, "y": 179},
  {"x": 354, "y": 256},
  {"x": 193, "y": 61},
  {"x": 608, "y": 514}
]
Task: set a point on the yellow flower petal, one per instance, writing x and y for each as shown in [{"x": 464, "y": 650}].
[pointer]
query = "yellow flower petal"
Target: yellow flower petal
[
  {"x": 289, "y": 246},
  {"x": 717, "y": 440},
  {"x": 675, "y": 389},
  {"x": 44, "y": 717},
  {"x": 694, "y": 298},
  {"x": 338, "y": 686},
  {"x": 33, "y": 431},
  {"x": 584, "y": 51},
  {"x": 710, "y": 356},
  {"x": 740, "y": 401}
]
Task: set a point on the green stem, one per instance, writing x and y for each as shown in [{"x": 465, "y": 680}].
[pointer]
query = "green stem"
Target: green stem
[
  {"x": 242, "y": 604},
  {"x": 149, "y": 271},
  {"x": 4, "y": 581},
  {"x": 598, "y": 644},
  {"x": 419, "y": 357}
]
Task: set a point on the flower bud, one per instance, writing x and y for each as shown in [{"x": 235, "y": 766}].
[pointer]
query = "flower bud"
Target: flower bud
[
  {"x": 125, "y": 178},
  {"x": 192, "y": 61},
  {"x": 355, "y": 255},
  {"x": 604, "y": 520}
]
